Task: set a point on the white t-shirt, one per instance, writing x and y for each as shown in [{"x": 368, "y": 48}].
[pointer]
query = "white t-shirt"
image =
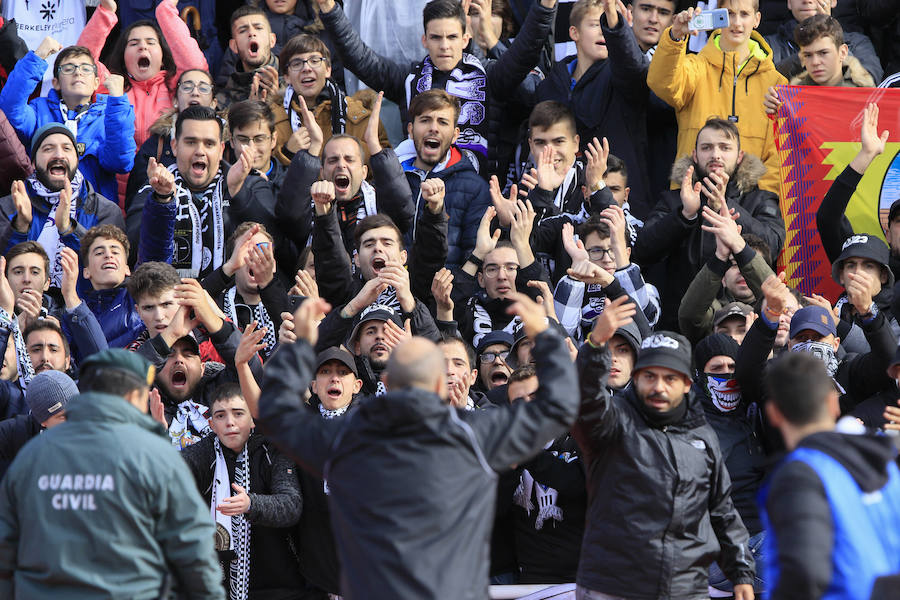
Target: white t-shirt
[{"x": 63, "y": 20}]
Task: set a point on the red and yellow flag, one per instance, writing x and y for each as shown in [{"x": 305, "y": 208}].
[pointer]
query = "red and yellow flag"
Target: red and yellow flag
[{"x": 817, "y": 133}]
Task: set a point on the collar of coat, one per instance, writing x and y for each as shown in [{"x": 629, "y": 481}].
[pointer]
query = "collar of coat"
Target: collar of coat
[
  {"x": 745, "y": 178},
  {"x": 855, "y": 75}
]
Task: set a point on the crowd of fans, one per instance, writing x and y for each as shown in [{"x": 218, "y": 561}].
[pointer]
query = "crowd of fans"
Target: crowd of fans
[{"x": 581, "y": 206}]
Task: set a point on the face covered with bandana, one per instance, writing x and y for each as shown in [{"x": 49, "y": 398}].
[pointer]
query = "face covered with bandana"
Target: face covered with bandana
[
  {"x": 822, "y": 350},
  {"x": 718, "y": 381}
]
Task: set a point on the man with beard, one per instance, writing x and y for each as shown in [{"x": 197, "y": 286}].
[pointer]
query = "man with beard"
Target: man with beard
[
  {"x": 813, "y": 330},
  {"x": 734, "y": 273},
  {"x": 494, "y": 272},
  {"x": 186, "y": 212},
  {"x": 47, "y": 346},
  {"x": 432, "y": 127},
  {"x": 376, "y": 332},
  {"x": 55, "y": 206},
  {"x": 250, "y": 68},
  {"x": 185, "y": 379},
  {"x": 717, "y": 172},
  {"x": 659, "y": 508},
  {"x": 739, "y": 427},
  {"x": 346, "y": 164}
]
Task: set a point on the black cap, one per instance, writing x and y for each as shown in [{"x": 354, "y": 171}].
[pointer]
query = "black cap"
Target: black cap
[
  {"x": 49, "y": 129},
  {"x": 494, "y": 337},
  {"x": 665, "y": 349},
  {"x": 338, "y": 354},
  {"x": 375, "y": 312},
  {"x": 864, "y": 246},
  {"x": 894, "y": 212}
]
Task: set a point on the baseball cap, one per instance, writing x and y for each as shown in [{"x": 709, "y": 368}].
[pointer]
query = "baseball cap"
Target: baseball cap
[
  {"x": 338, "y": 354},
  {"x": 494, "y": 337},
  {"x": 49, "y": 393},
  {"x": 864, "y": 246},
  {"x": 121, "y": 360},
  {"x": 732, "y": 309},
  {"x": 48, "y": 130},
  {"x": 375, "y": 312},
  {"x": 815, "y": 318},
  {"x": 665, "y": 349}
]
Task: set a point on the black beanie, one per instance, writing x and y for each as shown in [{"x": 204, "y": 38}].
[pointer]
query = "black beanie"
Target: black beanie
[{"x": 717, "y": 344}]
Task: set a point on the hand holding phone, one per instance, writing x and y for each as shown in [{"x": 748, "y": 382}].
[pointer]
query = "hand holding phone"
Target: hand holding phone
[{"x": 709, "y": 20}]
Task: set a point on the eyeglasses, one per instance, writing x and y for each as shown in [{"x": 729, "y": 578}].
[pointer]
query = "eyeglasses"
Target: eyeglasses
[
  {"x": 298, "y": 64},
  {"x": 256, "y": 140},
  {"x": 492, "y": 271},
  {"x": 70, "y": 68},
  {"x": 597, "y": 253},
  {"x": 489, "y": 357},
  {"x": 188, "y": 86}
]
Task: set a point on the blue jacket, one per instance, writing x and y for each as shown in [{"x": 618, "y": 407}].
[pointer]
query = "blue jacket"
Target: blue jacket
[
  {"x": 115, "y": 311},
  {"x": 107, "y": 130},
  {"x": 466, "y": 197},
  {"x": 832, "y": 516},
  {"x": 91, "y": 209}
]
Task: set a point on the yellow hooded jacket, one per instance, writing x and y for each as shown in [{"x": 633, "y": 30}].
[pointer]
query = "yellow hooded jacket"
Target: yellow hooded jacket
[{"x": 713, "y": 83}]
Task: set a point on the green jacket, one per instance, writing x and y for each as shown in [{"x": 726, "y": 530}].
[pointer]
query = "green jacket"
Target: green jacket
[
  {"x": 706, "y": 294},
  {"x": 102, "y": 506}
]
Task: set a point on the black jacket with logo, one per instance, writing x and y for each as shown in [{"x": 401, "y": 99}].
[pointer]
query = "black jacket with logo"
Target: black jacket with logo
[{"x": 659, "y": 498}]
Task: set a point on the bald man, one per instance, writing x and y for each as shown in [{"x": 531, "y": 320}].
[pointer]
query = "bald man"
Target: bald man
[{"x": 412, "y": 480}]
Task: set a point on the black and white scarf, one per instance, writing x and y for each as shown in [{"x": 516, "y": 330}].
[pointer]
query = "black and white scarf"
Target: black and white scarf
[
  {"x": 72, "y": 124},
  {"x": 232, "y": 532},
  {"x": 199, "y": 226},
  {"x": 482, "y": 323},
  {"x": 259, "y": 314},
  {"x": 23, "y": 361},
  {"x": 48, "y": 237},
  {"x": 332, "y": 413},
  {"x": 189, "y": 425},
  {"x": 332, "y": 92},
  {"x": 468, "y": 82}
]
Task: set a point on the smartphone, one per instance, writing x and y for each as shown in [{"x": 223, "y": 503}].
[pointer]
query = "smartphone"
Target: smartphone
[{"x": 709, "y": 20}]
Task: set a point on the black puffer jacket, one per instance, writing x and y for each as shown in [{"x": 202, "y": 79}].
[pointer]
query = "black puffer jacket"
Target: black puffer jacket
[
  {"x": 683, "y": 247},
  {"x": 659, "y": 499}
]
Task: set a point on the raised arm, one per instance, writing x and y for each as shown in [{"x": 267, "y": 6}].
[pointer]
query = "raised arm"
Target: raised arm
[
  {"x": 673, "y": 76},
  {"x": 516, "y": 433},
  {"x": 185, "y": 50},
  {"x": 372, "y": 69},
  {"x": 299, "y": 433},
  {"x": 523, "y": 55}
]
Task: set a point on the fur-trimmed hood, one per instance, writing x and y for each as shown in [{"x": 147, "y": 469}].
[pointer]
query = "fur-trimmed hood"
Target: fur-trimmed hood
[
  {"x": 746, "y": 177},
  {"x": 164, "y": 124},
  {"x": 855, "y": 75}
]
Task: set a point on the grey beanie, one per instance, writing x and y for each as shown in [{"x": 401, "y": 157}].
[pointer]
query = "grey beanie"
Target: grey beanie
[{"x": 48, "y": 393}]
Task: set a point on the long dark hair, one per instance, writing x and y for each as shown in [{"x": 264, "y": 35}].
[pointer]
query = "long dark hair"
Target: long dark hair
[{"x": 116, "y": 62}]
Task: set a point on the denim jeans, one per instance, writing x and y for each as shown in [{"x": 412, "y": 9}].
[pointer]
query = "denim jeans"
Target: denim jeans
[{"x": 718, "y": 580}]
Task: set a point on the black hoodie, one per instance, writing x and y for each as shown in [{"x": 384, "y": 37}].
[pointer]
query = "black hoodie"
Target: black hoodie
[{"x": 800, "y": 514}]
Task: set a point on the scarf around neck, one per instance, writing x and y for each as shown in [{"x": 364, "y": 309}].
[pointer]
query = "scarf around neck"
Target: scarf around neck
[
  {"x": 199, "y": 230},
  {"x": 260, "y": 315},
  {"x": 48, "y": 237},
  {"x": 232, "y": 532},
  {"x": 468, "y": 82},
  {"x": 331, "y": 92}
]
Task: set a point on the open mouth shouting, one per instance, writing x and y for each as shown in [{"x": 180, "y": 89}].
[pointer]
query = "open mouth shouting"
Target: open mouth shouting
[
  {"x": 58, "y": 167},
  {"x": 179, "y": 379},
  {"x": 109, "y": 265},
  {"x": 378, "y": 263},
  {"x": 308, "y": 81},
  {"x": 342, "y": 185},
  {"x": 143, "y": 62},
  {"x": 199, "y": 169},
  {"x": 334, "y": 392},
  {"x": 432, "y": 144},
  {"x": 499, "y": 377},
  {"x": 253, "y": 49}
]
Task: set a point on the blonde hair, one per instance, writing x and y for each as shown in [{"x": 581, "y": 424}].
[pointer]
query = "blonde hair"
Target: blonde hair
[{"x": 580, "y": 10}]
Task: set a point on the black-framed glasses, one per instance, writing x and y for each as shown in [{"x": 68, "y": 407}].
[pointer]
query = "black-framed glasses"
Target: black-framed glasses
[
  {"x": 188, "y": 86},
  {"x": 298, "y": 64},
  {"x": 256, "y": 140},
  {"x": 489, "y": 357},
  {"x": 70, "y": 68},
  {"x": 597, "y": 253}
]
